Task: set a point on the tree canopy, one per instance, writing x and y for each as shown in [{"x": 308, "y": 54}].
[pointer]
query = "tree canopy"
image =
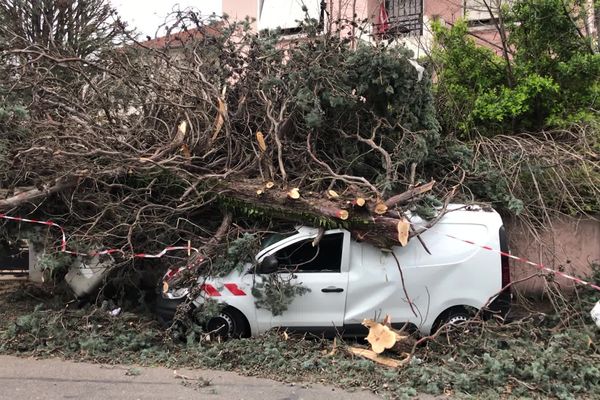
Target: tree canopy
[{"x": 549, "y": 75}]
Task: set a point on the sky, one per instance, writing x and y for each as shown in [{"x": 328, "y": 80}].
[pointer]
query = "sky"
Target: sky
[{"x": 147, "y": 15}]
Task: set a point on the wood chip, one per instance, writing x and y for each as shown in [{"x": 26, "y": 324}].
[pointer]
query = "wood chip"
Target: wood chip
[
  {"x": 334, "y": 348},
  {"x": 403, "y": 229},
  {"x": 185, "y": 149},
  {"x": 371, "y": 355},
  {"x": 294, "y": 193},
  {"x": 332, "y": 194},
  {"x": 261, "y": 141},
  {"x": 343, "y": 215},
  {"x": 182, "y": 128},
  {"x": 220, "y": 118},
  {"x": 380, "y": 208}
]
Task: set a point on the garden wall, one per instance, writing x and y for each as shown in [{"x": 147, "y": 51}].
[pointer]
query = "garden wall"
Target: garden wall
[{"x": 569, "y": 244}]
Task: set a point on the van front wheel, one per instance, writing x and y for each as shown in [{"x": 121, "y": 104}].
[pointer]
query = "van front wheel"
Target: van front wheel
[
  {"x": 228, "y": 324},
  {"x": 453, "y": 316}
]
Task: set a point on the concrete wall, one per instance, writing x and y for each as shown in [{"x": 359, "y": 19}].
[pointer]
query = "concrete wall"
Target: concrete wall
[{"x": 569, "y": 245}]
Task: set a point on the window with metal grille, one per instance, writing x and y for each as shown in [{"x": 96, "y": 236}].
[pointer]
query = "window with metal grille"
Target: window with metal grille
[{"x": 404, "y": 18}]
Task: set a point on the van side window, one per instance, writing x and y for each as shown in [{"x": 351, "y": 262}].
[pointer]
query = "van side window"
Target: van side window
[{"x": 303, "y": 257}]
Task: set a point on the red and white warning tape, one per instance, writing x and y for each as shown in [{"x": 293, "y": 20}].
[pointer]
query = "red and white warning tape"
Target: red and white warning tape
[
  {"x": 523, "y": 260},
  {"x": 63, "y": 244}
]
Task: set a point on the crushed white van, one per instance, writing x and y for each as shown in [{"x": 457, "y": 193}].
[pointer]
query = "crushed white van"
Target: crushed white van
[{"x": 350, "y": 281}]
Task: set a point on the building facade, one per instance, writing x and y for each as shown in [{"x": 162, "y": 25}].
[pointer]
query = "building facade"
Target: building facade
[{"x": 403, "y": 21}]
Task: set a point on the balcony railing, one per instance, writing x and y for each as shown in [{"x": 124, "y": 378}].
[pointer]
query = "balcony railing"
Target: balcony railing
[{"x": 404, "y": 18}]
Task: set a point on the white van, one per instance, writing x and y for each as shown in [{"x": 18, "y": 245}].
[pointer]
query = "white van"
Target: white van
[{"x": 349, "y": 281}]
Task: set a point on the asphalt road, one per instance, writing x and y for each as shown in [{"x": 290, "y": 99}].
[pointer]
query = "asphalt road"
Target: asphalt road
[{"x": 53, "y": 379}]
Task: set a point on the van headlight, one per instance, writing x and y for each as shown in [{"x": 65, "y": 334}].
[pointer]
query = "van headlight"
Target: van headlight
[{"x": 167, "y": 293}]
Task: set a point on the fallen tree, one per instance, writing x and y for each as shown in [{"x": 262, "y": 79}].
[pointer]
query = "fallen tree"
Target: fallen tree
[{"x": 142, "y": 147}]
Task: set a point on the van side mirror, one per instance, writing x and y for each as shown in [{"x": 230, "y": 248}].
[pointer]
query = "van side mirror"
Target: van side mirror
[{"x": 268, "y": 265}]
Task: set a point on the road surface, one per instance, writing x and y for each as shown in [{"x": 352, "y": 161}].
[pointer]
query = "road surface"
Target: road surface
[{"x": 53, "y": 379}]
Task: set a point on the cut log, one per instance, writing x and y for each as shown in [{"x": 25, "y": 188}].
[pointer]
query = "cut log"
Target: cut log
[
  {"x": 311, "y": 208},
  {"x": 359, "y": 202},
  {"x": 380, "y": 336},
  {"x": 391, "y": 339},
  {"x": 269, "y": 185}
]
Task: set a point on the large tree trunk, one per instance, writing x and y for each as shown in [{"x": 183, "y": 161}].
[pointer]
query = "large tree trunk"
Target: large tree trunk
[
  {"x": 368, "y": 219},
  {"x": 372, "y": 222}
]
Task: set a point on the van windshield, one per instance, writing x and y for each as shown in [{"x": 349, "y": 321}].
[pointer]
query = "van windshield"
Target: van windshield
[{"x": 274, "y": 238}]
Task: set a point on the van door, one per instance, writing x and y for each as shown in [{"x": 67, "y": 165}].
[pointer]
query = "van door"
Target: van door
[{"x": 322, "y": 269}]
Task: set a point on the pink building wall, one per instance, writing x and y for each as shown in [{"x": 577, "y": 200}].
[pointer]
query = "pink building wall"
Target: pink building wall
[{"x": 240, "y": 9}]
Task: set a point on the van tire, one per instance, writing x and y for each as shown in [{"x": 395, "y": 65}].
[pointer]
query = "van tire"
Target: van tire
[
  {"x": 229, "y": 324},
  {"x": 454, "y": 316}
]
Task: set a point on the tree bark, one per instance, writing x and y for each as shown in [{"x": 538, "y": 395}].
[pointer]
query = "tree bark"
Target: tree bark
[{"x": 36, "y": 194}]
